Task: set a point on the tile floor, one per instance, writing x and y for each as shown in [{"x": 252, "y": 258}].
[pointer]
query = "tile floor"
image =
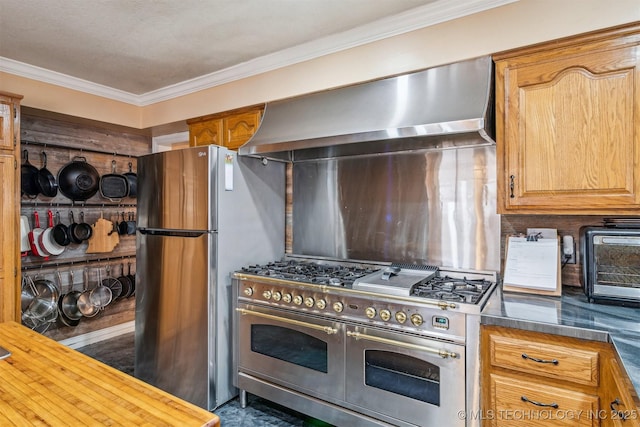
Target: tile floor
[{"x": 118, "y": 352}]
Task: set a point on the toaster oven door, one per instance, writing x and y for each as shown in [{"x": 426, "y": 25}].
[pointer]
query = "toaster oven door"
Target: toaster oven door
[{"x": 614, "y": 266}]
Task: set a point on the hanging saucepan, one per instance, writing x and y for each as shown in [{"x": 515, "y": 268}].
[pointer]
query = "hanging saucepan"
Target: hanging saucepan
[
  {"x": 114, "y": 186},
  {"x": 132, "y": 177},
  {"x": 28, "y": 177},
  {"x": 34, "y": 238},
  {"x": 46, "y": 181},
  {"x": 131, "y": 224},
  {"x": 60, "y": 232},
  {"x": 46, "y": 239},
  {"x": 78, "y": 180},
  {"x": 82, "y": 230},
  {"x": 122, "y": 226},
  {"x": 68, "y": 304}
]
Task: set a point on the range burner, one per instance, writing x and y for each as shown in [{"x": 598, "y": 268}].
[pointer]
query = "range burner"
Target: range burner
[
  {"x": 310, "y": 272},
  {"x": 452, "y": 289}
]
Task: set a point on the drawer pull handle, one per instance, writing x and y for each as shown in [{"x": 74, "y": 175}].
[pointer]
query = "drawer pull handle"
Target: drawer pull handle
[
  {"x": 621, "y": 415},
  {"x": 554, "y": 361},
  {"x": 551, "y": 405}
]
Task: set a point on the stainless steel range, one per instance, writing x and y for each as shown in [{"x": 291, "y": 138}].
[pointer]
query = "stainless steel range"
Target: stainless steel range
[{"x": 361, "y": 343}]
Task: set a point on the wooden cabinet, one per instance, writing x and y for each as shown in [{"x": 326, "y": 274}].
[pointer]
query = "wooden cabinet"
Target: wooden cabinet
[
  {"x": 9, "y": 206},
  {"x": 619, "y": 409},
  {"x": 531, "y": 378},
  {"x": 568, "y": 125},
  {"x": 230, "y": 129}
]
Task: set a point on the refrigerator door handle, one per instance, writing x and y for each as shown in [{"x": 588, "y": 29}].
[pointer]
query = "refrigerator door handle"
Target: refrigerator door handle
[{"x": 171, "y": 233}]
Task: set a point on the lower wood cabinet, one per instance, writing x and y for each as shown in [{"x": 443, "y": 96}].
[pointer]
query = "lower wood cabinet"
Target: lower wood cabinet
[
  {"x": 619, "y": 409},
  {"x": 533, "y": 379}
]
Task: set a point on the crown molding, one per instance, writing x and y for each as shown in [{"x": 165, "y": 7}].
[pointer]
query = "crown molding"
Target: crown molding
[{"x": 430, "y": 14}]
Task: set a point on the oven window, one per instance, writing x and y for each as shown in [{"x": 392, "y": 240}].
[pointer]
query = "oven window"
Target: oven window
[
  {"x": 291, "y": 346},
  {"x": 403, "y": 375}
]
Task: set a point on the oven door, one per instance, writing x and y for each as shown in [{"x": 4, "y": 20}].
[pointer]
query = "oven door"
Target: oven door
[
  {"x": 301, "y": 352},
  {"x": 409, "y": 378}
]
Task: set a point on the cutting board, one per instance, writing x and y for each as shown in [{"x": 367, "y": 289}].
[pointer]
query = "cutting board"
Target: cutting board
[{"x": 102, "y": 240}]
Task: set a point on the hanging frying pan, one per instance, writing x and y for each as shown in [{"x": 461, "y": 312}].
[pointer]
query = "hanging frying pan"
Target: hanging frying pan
[
  {"x": 60, "y": 232},
  {"x": 46, "y": 181},
  {"x": 46, "y": 239},
  {"x": 132, "y": 177},
  {"x": 114, "y": 186},
  {"x": 34, "y": 237},
  {"x": 28, "y": 177}
]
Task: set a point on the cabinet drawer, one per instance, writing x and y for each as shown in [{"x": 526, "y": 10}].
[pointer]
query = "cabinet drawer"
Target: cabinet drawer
[
  {"x": 519, "y": 403},
  {"x": 556, "y": 361}
]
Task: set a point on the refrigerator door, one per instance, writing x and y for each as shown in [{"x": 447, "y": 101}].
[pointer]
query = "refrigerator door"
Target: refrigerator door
[
  {"x": 177, "y": 189},
  {"x": 173, "y": 313}
]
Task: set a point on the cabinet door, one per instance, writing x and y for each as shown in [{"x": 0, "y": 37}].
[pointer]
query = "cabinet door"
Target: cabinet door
[
  {"x": 239, "y": 128},
  {"x": 206, "y": 133},
  {"x": 6, "y": 135},
  {"x": 8, "y": 219},
  {"x": 618, "y": 406},
  {"x": 571, "y": 133}
]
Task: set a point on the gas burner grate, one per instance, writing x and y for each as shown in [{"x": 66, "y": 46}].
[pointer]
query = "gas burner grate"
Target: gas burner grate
[
  {"x": 310, "y": 272},
  {"x": 452, "y": 289}
]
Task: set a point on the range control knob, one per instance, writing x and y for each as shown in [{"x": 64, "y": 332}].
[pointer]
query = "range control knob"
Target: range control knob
[
  {"x": 297, "y": 300},
  {"x": 277, "y": 296},
  {"x": 416, "y": 319},
  {"x": 321, "y": 304},
  {"x": 338, "y": 307},
  {"x": 401, "y": 317},
  {"x": 309, "y": 302},
  {"x": 385, "y": 315},
  {"x": 286, "y": 298},
  {"x": 248, "y": 291},
  {"x": 266, "y": 294},
  {"x": 370, "y": 312}
]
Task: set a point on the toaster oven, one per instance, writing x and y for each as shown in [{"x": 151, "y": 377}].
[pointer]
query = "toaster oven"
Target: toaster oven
[{"x": 611, "y": 264}]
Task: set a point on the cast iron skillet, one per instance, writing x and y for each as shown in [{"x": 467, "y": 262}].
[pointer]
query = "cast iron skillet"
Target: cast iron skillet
[
  {"x": 132, "y": 177},
  {"x": 60, "y": 232},
  {"x": 28, "y": 177},
  {"x": 114, "y": 186},
  {"x": 46, "y": 181},
  {"x": 78, "y": 180}
]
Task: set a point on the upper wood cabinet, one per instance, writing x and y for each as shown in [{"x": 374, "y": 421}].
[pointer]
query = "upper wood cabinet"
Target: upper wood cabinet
[
  {"x": 230, "y": 129},
  {"x": 568, "y": 125},
  {"x": 9, "y": 206}
]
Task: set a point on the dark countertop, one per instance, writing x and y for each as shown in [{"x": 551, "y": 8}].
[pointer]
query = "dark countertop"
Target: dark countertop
[{"x": 571, "y": 315}]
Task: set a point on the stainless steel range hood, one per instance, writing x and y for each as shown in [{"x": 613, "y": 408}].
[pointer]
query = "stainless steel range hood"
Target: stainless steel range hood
[{"x": 442, "y": 107}]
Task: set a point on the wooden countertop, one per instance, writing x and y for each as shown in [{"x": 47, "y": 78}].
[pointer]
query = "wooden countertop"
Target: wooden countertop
[{"x": 45, "y": 383}]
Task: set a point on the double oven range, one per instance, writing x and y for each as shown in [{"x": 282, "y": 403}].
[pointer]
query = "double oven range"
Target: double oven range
[{"x": 361, "y": 344}]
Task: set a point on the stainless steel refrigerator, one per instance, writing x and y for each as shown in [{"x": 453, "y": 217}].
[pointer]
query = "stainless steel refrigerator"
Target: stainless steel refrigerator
[{"x": 203, "y": 212}]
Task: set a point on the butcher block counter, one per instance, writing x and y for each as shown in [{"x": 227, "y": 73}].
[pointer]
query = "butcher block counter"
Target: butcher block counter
[{"x": 45, "y": 383}]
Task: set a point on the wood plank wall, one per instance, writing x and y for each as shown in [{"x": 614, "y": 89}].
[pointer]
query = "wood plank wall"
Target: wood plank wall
[{"x": 63, "y": 138}]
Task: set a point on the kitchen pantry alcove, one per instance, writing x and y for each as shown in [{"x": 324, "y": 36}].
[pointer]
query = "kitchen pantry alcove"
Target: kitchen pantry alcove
[{"x": 107, "y": 153}]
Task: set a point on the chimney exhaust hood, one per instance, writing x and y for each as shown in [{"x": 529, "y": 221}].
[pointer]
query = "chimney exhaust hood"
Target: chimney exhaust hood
[{"x": 442, "y": 107}]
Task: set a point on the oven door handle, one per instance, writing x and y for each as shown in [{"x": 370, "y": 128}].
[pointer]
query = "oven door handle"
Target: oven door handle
[
  {"x": 440, "y": 352},
  {"x": 329, "y": 330}
]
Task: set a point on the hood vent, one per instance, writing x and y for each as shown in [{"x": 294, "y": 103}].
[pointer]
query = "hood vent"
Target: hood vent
[{"x": 442, "y": 107}]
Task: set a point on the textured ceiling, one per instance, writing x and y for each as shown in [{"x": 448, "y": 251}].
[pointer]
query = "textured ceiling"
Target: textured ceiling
[{"x": 139, "y": 46}]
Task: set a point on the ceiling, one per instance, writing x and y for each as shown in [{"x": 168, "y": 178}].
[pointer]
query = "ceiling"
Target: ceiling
[{"x": 147, "y": 48}]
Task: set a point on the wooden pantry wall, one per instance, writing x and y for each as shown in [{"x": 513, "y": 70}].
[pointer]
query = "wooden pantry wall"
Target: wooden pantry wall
[{"x": 64, "y": 138}]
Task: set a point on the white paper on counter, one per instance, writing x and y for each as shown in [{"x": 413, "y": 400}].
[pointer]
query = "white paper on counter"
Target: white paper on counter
[{"x": 532, "y": 264}]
